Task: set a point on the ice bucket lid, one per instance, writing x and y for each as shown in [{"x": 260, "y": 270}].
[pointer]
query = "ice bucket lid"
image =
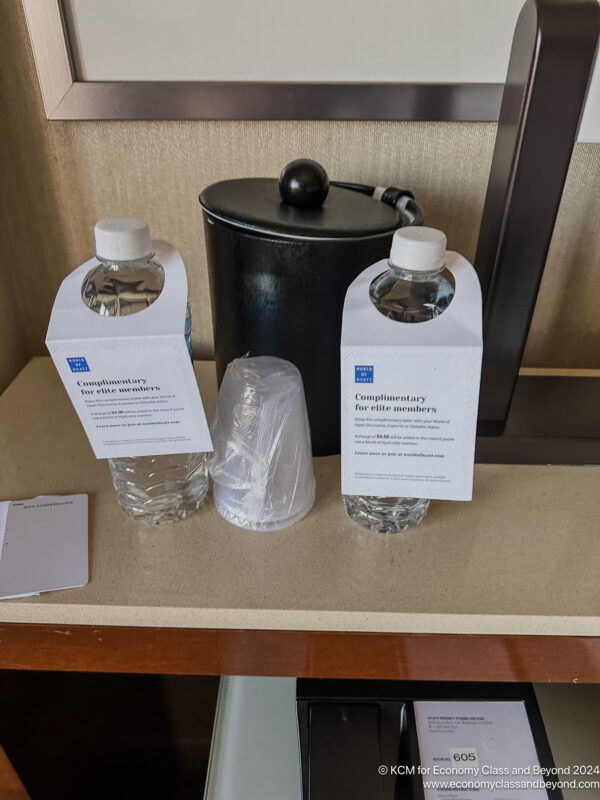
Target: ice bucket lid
[{"x": 257, "y": 205}]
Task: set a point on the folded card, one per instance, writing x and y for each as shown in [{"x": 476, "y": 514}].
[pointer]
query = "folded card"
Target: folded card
[{"x": 43, "y": 544}]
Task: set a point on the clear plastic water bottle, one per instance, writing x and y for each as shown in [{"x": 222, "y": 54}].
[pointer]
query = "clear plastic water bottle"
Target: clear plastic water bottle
[
  {"x": 417, "y": 287},
  {"x": 154, "y": 489}
]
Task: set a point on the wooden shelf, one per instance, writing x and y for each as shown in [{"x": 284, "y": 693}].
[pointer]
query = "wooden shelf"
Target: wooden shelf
[{"x": 503, "y": 588}]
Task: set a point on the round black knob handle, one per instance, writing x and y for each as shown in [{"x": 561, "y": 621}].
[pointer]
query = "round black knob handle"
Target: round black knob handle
[{"x": 304, "y": 184}]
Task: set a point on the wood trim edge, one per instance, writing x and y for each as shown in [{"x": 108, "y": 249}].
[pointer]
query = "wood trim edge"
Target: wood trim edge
[
  {"x": 449, "y": 657},
  {"x": 50, "y": 51}
]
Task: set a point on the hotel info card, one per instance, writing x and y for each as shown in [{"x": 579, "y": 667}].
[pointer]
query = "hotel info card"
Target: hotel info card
[
  {"x": 482, "y": 749},
  {"x": 44, "y": 544}
]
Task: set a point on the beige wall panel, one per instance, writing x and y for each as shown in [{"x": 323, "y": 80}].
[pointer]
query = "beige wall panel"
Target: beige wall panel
[
  {"x": 66, "y": 175},
  {"x": 565, "y": 330},
  {"x": 13, "y": 340},
  {"x": 30, "y": 241},
  {"x": 13, "y": 354}
]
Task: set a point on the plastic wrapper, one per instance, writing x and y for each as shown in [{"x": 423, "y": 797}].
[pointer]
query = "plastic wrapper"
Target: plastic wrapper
[{"x": 262, "y": 463}]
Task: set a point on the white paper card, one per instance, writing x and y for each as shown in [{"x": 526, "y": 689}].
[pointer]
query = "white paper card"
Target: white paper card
[
  {"x": 485, "y": 749},
  {"x": 130, "y": 378},
  {"x": 45, "y": 545},
  {"x": 410, "y": 393},
  {"x": 4, "y": 505}
]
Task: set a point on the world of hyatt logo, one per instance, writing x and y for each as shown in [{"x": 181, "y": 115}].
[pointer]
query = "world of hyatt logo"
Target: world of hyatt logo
[
  {"x": 78, "y": 364},
  {"x": 363, "y": 373}
]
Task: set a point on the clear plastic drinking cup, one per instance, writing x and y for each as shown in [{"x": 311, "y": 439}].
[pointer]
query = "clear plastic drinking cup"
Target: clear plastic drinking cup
[{"x": 262, "y": 467}]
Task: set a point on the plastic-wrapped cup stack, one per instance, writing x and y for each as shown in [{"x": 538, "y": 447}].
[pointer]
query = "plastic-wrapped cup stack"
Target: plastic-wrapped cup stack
[{"x": 262, "y": 466}]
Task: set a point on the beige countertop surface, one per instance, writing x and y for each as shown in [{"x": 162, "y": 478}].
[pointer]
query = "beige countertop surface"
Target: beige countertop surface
[{"x": 522, "y": 558}]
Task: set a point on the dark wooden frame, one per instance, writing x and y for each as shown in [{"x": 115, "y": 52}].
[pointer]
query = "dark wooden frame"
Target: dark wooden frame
[
  {"x": 541, "y": 426},
  {"x": 548, "y": 74}
]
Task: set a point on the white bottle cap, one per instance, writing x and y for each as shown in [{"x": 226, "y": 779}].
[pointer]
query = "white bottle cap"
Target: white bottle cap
[
  {"x": 122, "y": 239},
  {"x": 418, "y": 249}
]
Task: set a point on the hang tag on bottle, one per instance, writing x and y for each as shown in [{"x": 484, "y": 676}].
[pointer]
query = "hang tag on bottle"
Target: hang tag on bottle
[
  {"x": 410, "y": 393},
  {"x": 130, "y": 378}
]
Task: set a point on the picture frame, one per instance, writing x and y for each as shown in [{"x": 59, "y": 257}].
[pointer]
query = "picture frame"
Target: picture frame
[{"x": 66, "y": 97}]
